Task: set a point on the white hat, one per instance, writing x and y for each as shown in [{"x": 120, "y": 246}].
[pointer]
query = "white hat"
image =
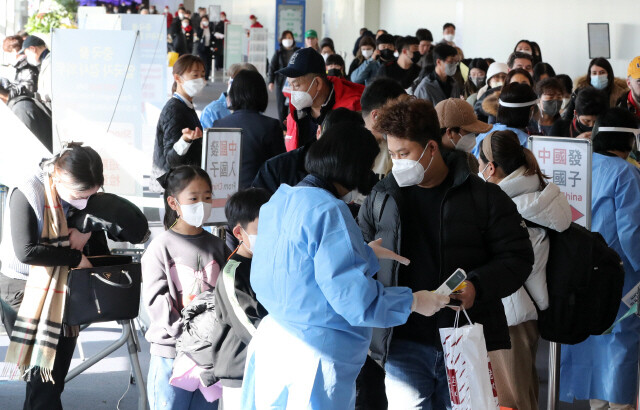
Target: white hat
[{"x": 496, "y": 68}]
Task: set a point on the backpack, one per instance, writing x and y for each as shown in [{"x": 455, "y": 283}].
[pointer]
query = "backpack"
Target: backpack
[{"x": 584, "y": 279}]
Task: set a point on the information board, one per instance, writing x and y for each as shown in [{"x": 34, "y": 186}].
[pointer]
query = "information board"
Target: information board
[
  {"x": 221, "y": 148},
  {"x": 567, "y": 161},
  {"x": 96, "y": 99},
  {"x": 290, "y": 16},
  {"x": 258, "y": 49},
  {"x": 233, "y": 38},
  {"x": 599, "y": 43}
]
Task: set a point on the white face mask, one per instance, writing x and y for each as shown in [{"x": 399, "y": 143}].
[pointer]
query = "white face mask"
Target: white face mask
[
  {"x": 252, "y": 241},
  {"x": 185, "y": 24},
  {"x": 408, "y": 172},
  {"x": 350, "y": 196},
  {"x": 193, "y": 87},
  {"x": 449, "y": 37},
  {"x": 524, "y": 51},
  {"x": 366, "y": 53},
  {"x": 65, "y": 195},
  {"x": 302, "y": 99},
  {"x": 195, "y": 214},
  {"x": 396, "y": 54},
  {"x": 205, "y": 24},
  {"x": 450, "y": 69},
  {"x": 180, "y": 16},
  {"x": 325, "y": 56},
  {"x": 481, "y": 174},
  {"x": 287, "y": 42},
  {"x": 465, "y": 143},
  {"x": 497, "y": 84},
  {"x": 32, "y": 59}
]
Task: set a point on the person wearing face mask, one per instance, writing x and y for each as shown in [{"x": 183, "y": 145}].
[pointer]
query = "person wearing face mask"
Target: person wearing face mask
[
  {"x": 477, "y": 77},
  {"x": 205, "y": 44},
  {"x": 335, "y": 66},
  {"x": 312, "y": 345},
  {"x": 261, "y": 135},
  {"x": 433, "y": 208},
  {"x": 276, "y": 81},
  {"x": 176, "y": 24},
  {"x": 219, "y": 108},
  {"x": 235, "y": 327},
  {"x": 459, "y": 127},
  {"x": 604, "y": 368},
  {"x": 440, "y": 84},
  {"x": 549, "y": 93},
  {"x": 496, "y": 75},
  {"x": 38, "y": 248},
  {"x": 167, "y": 13},
  {"x": 631, "y": 101},
  {"x": 368, "y": 70},
  {"x": 530, "y": 48},
  {"x": 179, "y": 132},
  {"x": 366, "y": 48},
  {"x": 490, "y": 100},
  {"x": 405, "y": 69},
  {"x": 313, "y": 95},
  {"x": 218, "y": 47},
  {"x": 448, "y": 34},
  {"x": 514, "y": 169},
  {"x": 38, "y": 55},
  {"x": 327, "y": 48},
  {"x": 515, "y": 109},
  {"x": 25, "y": 81},
  {"x": 600, "y": 76},
  {"x": 177, "y": 266}
]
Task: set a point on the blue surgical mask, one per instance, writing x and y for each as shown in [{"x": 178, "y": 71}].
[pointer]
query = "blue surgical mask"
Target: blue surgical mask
[{"x": 600, "y": 81}]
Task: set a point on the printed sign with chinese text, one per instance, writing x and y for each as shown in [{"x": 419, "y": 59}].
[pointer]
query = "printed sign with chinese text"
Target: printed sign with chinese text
[{"x": 567, "y": 163}]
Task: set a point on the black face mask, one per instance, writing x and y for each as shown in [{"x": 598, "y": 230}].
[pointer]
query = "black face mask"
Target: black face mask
[
  {"x": 416, "y": 57},
  {"x": 581, "y": 127},
  {"x": 335, "y": 72},
  {"x": 386, "y": 54}
]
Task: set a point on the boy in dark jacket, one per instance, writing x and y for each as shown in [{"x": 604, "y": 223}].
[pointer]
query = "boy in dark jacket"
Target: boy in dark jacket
[{"x": 238, "y": 312}]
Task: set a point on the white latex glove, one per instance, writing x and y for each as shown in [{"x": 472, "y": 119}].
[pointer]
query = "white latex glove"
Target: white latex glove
[{"x": 428, "y": 303}]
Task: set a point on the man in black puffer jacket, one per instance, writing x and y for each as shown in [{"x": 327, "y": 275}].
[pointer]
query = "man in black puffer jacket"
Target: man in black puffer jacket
[{"x": 431, "y": 210}]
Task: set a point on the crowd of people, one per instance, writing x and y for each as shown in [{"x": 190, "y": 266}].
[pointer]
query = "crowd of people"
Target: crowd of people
[{"x": 374, "y": 183}]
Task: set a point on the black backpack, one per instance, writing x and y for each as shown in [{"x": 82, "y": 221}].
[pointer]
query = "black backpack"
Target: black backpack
[{"x": 584, "y": 279}]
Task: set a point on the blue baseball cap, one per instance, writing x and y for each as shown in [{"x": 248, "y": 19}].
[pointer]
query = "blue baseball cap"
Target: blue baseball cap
[{"x": 304, "y": 61}]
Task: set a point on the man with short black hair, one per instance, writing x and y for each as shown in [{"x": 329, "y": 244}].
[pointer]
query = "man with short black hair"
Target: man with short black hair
[
  {"x": 405, "y": 69},
  {"x": 313, "y": 95},
  {"x": 425, "y": 38},
  {"x": 521, "y": 60},
  {"x": 590, "y": 103},
  {"x": 377, "y": 94},
  {"x": 440, "y": 84},
  {"x": 449, "y": 34}
]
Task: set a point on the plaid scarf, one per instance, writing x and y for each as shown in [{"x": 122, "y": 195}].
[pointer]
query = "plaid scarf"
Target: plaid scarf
[{"x": 39, "y": 324}]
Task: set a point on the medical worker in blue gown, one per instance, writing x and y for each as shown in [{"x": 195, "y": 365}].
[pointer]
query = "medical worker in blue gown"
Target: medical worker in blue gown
[
  {"x": 313, "y": 273},
  {"x": 604, "y": 368}
]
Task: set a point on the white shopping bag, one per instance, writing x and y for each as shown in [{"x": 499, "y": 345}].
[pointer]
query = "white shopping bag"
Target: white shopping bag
[{"x": 469, "y": 373}]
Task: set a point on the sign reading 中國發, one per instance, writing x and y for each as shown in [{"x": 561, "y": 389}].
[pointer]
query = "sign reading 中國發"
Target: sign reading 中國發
[
  {"x": 221, "y": 159},
  {"x": 567, "y": 162}
]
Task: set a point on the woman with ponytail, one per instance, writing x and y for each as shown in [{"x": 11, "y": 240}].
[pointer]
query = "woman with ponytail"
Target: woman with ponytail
[{"x": 503, "y": 161}]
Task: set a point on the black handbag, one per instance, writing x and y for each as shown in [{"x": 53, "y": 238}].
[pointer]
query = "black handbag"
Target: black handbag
[{"x": 108, "y": 291}]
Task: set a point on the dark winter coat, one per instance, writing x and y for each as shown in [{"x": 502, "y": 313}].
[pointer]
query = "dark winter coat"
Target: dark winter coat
[{"x": 481, "y": 232}]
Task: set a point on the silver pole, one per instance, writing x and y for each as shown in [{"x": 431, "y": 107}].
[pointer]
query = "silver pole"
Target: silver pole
[{"x": 554, "y": 375}]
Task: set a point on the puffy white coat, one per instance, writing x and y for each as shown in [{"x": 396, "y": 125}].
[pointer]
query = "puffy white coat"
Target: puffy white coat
[{"x": 550, "y": 209}]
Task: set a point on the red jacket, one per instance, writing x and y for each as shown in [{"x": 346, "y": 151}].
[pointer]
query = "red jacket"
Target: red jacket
[{"x": 347, "y": 95}]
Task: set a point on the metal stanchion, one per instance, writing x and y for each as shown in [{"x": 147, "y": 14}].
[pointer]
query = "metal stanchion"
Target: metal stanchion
[{"x": 554, "y": 376}]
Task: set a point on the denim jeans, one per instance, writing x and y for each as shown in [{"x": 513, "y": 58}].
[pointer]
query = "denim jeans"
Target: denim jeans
[
  {"x": 416, "y": 377},
  {"x": 163, "y": 396}
]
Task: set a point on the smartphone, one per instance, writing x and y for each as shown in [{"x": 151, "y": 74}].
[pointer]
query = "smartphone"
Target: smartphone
[{"x": 452, "y": 283}]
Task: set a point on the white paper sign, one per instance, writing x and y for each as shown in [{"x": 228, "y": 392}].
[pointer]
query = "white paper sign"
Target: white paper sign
[
  {"x": 567, "y": 162},
  {"x": 221, "y": 159},
  {"x": 631, "y": 297}
]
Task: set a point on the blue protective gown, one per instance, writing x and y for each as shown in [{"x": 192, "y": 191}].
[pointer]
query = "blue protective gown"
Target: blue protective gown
[
  {"x": 523, "y": 137},
  {"x": 606, "y": 367},
  {"x": 312, "y": 271}
]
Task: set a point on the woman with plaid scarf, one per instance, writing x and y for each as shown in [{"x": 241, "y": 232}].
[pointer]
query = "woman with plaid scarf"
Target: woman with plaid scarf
[{"x": 37, "y": 251}]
